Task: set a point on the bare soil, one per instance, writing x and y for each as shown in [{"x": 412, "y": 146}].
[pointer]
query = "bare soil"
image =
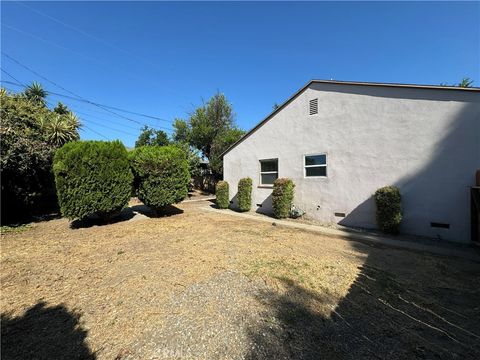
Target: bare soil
[{"x": 200, "y": 285}]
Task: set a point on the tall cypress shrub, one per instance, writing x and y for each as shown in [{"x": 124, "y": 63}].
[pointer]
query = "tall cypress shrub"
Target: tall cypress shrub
[
  {"x": 389, "y": 209},
  {"x": 92, "y": 177},
  {"x": 221, "y": 192},
  {"x": 282, "y": 197},
  {"x": 244, "y": 196}
]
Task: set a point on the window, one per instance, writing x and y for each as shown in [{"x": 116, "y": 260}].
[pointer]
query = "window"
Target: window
[
  {"x": 315, "y": 165},
  {"x": 268, "y": 171},
  {"x": 314, "y": 106}
]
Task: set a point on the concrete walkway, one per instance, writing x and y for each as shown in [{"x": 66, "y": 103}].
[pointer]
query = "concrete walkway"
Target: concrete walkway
[{"x": 444, "y": 249}]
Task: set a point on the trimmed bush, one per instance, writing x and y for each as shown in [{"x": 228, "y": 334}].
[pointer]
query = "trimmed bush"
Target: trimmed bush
[
  {"x": 244, "y": 196},
  {"x": 389, "y": 209},
  {"x": 161, "y": 175},
  {"x": 221, "y": 191},
  {"x": 92, "y": 177},
  {"x": 282, "y": 197}
]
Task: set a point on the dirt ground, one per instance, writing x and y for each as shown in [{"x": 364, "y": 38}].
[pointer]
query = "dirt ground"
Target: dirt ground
[{"x": 203, "y": 285}]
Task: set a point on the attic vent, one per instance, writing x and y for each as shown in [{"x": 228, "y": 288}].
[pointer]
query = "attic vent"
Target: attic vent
[{"x": 314, "y": 106}]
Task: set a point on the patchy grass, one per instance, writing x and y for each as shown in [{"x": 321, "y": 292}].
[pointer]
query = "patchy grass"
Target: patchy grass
[
  {"x": 103, "y": 287},
  {"x": 7, "y": 229}
]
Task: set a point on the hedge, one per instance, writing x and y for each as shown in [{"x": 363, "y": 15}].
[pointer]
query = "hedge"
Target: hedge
[
  {"x": 221, "y": 192},
  {"x": 389, "y": 209},
  {"x": 282, "y": 197},
  {"x": 244, "y": 195},
  {"x": 161, "y": 175},
  {"x": 92, "y": 177}
]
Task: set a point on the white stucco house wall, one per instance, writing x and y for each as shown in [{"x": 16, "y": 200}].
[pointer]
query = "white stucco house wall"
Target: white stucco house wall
[{"x": 341, "y": 141}]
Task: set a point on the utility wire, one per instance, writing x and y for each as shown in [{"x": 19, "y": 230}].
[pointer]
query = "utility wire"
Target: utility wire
[
  {"x": 84, "y": 33},
  {"x": 89, "y": 115},
  {"x": 72, "y": 93},
  {"x": 98, "y": 104}
]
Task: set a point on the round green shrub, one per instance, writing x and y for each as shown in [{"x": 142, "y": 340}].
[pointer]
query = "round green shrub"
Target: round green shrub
[
  {"x": 92, "y": 177},
  {"x": 161, "y": 175},
  {"x": 282, "y": 197},
  {"x": 244, "y": 195},
  {"x": 221, "y": 191},
  {"x": 389, "y": 209}
]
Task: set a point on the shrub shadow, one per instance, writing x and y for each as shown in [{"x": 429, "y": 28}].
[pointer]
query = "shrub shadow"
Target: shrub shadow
[
  {"x": 166, "y": 211},
  {"x": 44, "y": 333}
]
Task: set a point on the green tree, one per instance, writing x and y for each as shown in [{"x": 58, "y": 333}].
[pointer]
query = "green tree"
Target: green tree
[
  {"x": 181, "y": 131},
  {"x": 211, "y": 129},
  {"x": 152, "y": 137},
  {"x": 26, "y": 162},
  {"x": 36, "y": 93}
]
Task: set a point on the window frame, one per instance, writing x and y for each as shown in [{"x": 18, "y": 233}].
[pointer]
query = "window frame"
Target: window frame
[
  {"x": 305, "y": 166},
  {"x": 261, "y": 184}
]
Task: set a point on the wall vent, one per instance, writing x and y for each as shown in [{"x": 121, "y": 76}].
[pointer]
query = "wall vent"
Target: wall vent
[
  {"x": 339, "y": 214},
  {"x": 440, "y": 225},
  {"x": 231, "y": 201},
  {"x": 259, "y": 205},
  {"x": 314, "y": 106}
]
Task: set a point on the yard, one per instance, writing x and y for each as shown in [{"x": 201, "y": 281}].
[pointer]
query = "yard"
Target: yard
[{"x": 204, "y": 285}]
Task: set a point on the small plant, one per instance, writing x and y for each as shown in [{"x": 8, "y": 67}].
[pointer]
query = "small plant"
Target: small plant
[
  {"x": 282, "y": 197},
  {"x": 92, "y": 177},
  {"x": 389, "y": 209},
  {"x": 161, "y": 175},
  {"x": 245, "y": 194},
  {"x": 221, "y": 191}
]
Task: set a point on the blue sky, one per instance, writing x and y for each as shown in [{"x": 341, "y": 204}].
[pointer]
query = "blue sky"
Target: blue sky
[{"x": 162, "y": 59}]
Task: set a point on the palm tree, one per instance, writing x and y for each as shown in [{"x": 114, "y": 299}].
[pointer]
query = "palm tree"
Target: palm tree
[
  {"x": 61, "y": 109},
  {"x": 60, "y": 129},
  {"x": 36, "y": 93},
  {"x": 466, "y": 82}
]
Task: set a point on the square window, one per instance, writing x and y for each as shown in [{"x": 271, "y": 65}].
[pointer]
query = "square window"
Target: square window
[
  {"x": 315, "y": 165},
  {"x": 268, "y": 171}
]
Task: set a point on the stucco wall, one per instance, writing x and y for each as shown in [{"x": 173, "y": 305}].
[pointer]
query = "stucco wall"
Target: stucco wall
[{"x": 425, "y": 141}]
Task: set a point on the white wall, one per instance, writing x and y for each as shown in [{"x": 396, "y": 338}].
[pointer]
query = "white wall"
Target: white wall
[{"x": 425, "y": 141}]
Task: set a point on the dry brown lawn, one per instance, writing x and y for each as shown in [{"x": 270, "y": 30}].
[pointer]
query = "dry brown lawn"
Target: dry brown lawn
[{"x": 109, "y": 291}]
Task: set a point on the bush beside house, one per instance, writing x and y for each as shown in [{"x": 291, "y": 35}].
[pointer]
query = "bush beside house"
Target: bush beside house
[
  {"x": 92, "y": 177},
  {"x": 161, "y": 175},
  {"x": 244, "y": 196},
  {"x": 389, "y": 209},
  {"x": 221, "y": 192},
  {"x": 282, "y": 197}
]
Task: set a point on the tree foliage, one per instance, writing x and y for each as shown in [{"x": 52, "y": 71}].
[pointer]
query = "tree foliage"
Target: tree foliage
[
  {"x": 27, "y": 149},
  {"x": 161, "y": 175},
  {"x": 211, "y": 129},
  {"x": 152, "y": 137},
  {"x": 92, "y": 177}
]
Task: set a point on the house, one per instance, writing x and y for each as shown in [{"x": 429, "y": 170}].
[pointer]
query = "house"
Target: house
[{"x": 341, "y": 141}]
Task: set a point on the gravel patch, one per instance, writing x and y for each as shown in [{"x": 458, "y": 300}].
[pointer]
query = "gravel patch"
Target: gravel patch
[{"x": 209, "y": 320}]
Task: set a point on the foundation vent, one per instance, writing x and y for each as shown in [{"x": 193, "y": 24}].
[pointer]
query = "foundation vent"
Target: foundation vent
[{"x": 440, "y": 225}]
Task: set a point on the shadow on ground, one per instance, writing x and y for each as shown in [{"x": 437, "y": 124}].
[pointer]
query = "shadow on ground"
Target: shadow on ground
[
  {"x": 384, "y": 316},
  {"x": 126, "y": 214},
  {"x": 44, "y": 333}
]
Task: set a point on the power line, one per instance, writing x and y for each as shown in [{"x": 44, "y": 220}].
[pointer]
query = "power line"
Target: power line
[
  {"x": 84, "y": 33},
  {"x": 98, "y": 104},
  {"x": 96, "y": 132},
  {"x": 72, "y": 93}
]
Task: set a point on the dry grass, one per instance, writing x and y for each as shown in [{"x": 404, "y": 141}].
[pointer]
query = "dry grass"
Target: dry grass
[{"x": 119, "y": 277}]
